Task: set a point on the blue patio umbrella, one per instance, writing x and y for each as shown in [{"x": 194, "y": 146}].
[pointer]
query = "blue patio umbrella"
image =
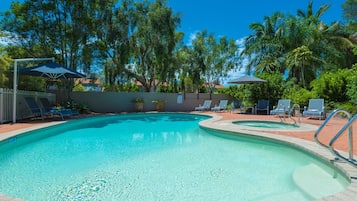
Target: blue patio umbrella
[{"x": 51, "y": 70}]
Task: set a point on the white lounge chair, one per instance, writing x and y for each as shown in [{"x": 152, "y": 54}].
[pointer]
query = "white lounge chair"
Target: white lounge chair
[
  {"x": 206, "y": 105},
  {"x": 316, "y": 108},
  {"x": 283, "y": 107},
  {"x": 222, "y": 105}
]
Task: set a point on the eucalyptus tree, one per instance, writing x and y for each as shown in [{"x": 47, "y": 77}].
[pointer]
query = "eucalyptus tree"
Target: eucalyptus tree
[
  {"x": 5, "y": 62},
  {"x": 153, "y": 43},
  {"x": 61, "y": 28},
  {"x": 113, "y": 39},
  {"x": 4, "y": 65},
  {"x": 184, "y": 66},
  {"x": 212, "y": 59}
]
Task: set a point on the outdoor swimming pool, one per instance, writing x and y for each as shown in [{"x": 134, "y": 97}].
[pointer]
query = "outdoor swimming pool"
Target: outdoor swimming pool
[{"x": 156, "y": 157}]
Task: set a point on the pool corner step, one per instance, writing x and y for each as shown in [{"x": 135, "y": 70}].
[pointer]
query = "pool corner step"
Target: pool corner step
[
  {"x": 8, "y": 198},
  {"x": 315, "y": 181},
  {"x": 292, "y": 195}
]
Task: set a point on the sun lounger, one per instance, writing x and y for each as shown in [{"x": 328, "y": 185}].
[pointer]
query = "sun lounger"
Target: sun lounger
[
  {"x": 236, "y": 104},
  {"x": 62, "y": 112},
  {"x": 316, "y": 108},
  {"x": 206, "y": 106},
  {"x": 222, "y": 105},
  {"x": 34, "y": 108},
  {"x": 282, "y": 108}
]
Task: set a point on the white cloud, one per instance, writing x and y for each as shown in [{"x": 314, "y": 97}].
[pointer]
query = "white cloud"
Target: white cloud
[{"x": 192, "y": 37}]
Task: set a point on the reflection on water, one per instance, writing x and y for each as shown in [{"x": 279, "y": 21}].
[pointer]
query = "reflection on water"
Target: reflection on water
[{"x": 164, "y": 137}]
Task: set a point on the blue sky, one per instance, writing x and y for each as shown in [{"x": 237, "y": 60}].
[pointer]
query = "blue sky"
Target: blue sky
[{"x": 232, "y": 17}]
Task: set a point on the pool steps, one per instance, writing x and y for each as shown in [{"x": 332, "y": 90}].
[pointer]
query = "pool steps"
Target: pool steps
[
  {"x": 8, "y": 198},
  {"x": 291, "y": 195},
  {"x": 316, "y": 181}
]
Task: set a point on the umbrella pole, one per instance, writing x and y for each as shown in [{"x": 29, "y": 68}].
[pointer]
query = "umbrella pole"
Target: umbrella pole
[
  {"x": 14, "y": 101},
  {"x": 14, "y": 93}
]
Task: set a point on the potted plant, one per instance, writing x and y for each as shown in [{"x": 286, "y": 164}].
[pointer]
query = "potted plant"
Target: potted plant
[
  {"x": 139, "y": 104},
  {"x": 159, "y": 104}
]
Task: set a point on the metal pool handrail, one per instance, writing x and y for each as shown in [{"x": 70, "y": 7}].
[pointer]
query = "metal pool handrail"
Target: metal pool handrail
[
  {"x": 347, "y": 125},
  {"x": 333, "y": 113},
  {"x": 296, "y": 110},
  {"x": 350, "y": 142}
]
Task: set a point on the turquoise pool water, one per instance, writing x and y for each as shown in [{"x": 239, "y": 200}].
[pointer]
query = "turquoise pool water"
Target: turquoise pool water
[
  {"x": 153, "y": 157},
  {"x": 264, "y": 124}
]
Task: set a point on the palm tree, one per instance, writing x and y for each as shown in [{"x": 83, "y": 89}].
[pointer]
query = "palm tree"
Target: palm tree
[
  {"x": 309, "y": 14},
  {"x": 264, "y": 44},
  {"x": 318, "y": 46},
  {"x": 301, "y": 57},
  {"x": 304, "y": 46}
]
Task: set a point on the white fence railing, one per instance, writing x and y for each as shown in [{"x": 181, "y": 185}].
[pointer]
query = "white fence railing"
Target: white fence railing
[
  {"x": 22, "y": 111},
  {"x": 6, "y": 98}
]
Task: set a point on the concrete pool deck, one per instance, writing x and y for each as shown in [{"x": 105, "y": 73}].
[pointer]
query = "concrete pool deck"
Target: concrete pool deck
[{"x": 223, "y": 121}]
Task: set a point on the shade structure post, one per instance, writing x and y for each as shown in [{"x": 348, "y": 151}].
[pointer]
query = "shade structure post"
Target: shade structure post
[{"x": 14, "y": 100}]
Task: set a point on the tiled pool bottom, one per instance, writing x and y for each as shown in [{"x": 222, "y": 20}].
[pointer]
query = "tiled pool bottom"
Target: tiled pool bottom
[
  {"x": 346, "y": 194},
  {"x": 349, "y": 194}
]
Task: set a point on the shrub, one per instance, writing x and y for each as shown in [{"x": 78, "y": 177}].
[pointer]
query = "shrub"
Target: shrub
[
  {"x": 273, "y": 89},
  {"x": 350, "y": 107},
  {"x": 300, "y": 96},
  {"x": 79, "y": 87},
  {"x": 332, "y": 86},
  {"x": 352, "y": 85}
]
